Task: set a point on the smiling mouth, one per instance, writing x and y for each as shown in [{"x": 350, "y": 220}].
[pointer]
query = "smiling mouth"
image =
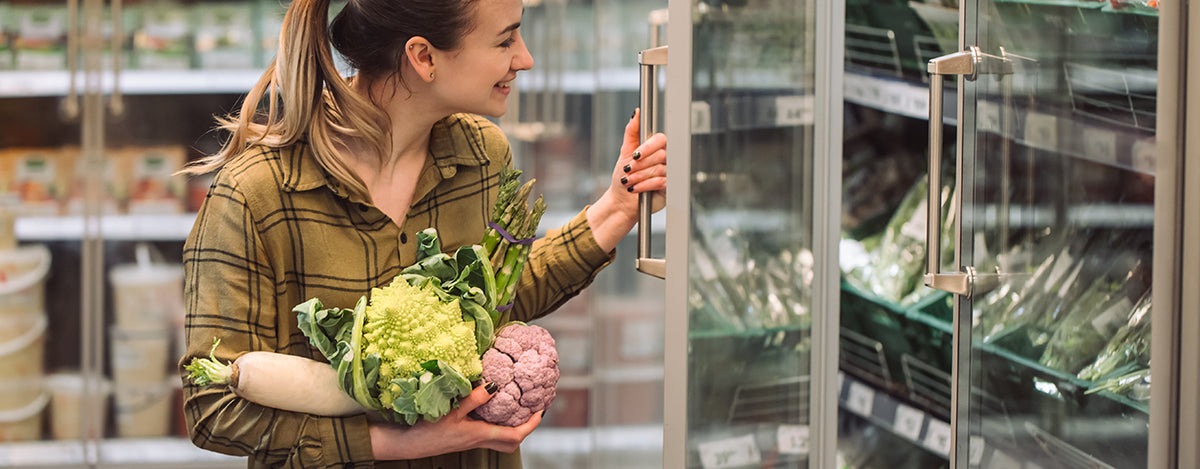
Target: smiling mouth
[{"x": 504, "y": 84}]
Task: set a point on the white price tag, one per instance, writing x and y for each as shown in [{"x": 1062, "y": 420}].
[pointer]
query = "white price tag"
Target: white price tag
[
  {"x": 792, "y": 439},
  {"x": 701, "y": 117},
  {"x": 989, "y": 117},
  {"x": 1041, "y": 130},
  {"x": 730, "y": 452},
  {"x": 908, "y": 422},
  {"x": 918, "y": 105},
  {"x": 861, "y": 399},
  {"x": 793, "y": 110},
  {"x": 894, "y": 97},
  {"x": 874, "y": 95},
  {"x": 853, "y": 89},
  {"x": 1100, "y": 145},
  {"x": 937, "y": 437},
  {"x": 975, "y": 451}
]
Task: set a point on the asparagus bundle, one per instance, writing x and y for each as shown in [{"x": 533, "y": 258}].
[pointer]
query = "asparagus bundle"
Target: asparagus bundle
[{"x": 510, "y": 234}]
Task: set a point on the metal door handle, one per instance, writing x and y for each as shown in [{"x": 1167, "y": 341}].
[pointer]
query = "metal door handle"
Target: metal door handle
[
  {"x": 969, "y": 63},
  {"x": 648, "y": 60}
]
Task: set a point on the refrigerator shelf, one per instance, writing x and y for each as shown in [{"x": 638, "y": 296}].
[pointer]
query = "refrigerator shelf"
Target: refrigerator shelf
[
  {"x": 27, "y": 83},
  {"x": 1113, "y": 140},
  {"x": 162, "y": 227}
]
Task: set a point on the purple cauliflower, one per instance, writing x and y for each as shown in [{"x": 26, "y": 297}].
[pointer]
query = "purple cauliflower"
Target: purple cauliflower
[{"x": 524, "y": 365}]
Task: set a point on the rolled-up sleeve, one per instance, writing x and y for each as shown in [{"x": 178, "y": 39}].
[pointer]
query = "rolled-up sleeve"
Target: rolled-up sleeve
[{"x": 231, "y": 295}]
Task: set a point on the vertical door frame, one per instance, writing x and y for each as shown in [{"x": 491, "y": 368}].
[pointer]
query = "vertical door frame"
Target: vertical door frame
[
  {"x": 1175, "y": 369},
  {"x": 678, "y": 218},
  {"x": 830, "y": 26}
]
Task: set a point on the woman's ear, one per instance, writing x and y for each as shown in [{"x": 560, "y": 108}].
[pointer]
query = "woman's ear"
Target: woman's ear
[{"x": 420, "y": 55}]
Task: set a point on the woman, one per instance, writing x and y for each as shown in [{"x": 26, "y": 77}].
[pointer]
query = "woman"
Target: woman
[{"x": 322, "y": 188}]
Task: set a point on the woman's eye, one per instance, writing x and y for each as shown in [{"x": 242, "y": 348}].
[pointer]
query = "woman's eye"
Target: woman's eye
[{"x": 507, "y": 43}]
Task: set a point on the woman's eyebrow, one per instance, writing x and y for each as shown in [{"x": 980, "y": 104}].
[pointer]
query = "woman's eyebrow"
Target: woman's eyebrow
[{"x": 512, "y": 27}]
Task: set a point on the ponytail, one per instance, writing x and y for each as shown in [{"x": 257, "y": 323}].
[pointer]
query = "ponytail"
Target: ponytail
[{"x": 307, "y": 98}]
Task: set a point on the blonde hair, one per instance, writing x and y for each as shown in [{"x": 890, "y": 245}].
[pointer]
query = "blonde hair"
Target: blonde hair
[{"x": 307, "y": 99}]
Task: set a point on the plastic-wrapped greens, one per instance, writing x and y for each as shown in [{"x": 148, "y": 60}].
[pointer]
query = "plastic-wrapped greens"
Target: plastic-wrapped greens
[
  {"x": 1093, "y": 319},
  {"x": 896, "y": 265},
  {"x": 1129, "y": 346}
]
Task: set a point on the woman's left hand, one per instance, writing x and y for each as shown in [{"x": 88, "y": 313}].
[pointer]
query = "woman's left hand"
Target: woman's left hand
[{"x": 641, "y": 168}]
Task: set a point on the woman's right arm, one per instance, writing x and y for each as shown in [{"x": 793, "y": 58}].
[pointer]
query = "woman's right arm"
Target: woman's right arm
[{"x": 231, "y": 294}]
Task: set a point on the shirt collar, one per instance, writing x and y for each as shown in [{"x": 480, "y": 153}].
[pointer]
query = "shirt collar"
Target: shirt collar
[{"x": 453, "y": 142}]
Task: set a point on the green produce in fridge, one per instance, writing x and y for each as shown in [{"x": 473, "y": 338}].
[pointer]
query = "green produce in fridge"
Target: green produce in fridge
[
  {"x": 1130, "y": 345},
  {"x": 1091, "y": 321}
]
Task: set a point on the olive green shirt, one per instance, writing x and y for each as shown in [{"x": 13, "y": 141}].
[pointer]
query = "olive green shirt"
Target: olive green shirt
[{"x": 275, "y": 231}]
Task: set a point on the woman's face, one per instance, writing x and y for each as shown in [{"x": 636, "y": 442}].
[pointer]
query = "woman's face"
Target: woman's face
[{"x": 476, "y": 77}]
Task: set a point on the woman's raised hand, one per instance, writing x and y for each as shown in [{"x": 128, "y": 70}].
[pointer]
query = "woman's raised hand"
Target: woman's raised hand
[{"x": 641, "y": 168}]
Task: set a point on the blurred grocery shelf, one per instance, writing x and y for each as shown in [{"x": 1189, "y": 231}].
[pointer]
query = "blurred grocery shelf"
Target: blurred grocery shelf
[
  {"x": 165, "y": 227},
  {"x": 24, "y": 83}
]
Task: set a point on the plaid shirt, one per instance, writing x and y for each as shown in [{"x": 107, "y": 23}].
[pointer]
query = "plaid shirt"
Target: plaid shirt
[{"x": 275, "y": 231}]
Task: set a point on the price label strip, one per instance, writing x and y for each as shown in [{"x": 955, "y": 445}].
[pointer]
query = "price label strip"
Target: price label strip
[
  {"x": 908, "y": 422},
  {"x": 729, "y": 452},
  {"x": 937, "y": 437},
  {"x": 792, "y": 439},
  {"x": 861, "y": 399}
]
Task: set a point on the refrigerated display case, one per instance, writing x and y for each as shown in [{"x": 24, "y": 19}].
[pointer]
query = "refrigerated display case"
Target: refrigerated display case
[{"x": 1034, "y": 348}]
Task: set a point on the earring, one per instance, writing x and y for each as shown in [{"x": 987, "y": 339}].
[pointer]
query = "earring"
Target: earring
[
  {"x": 430, "y": 75},
  {"x": 410, "y": 46}
]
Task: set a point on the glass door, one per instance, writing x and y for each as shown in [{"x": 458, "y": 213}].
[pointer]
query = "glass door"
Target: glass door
[
  {"x": 1055, "y": 197},
  {"x": 750, "y": 367}
]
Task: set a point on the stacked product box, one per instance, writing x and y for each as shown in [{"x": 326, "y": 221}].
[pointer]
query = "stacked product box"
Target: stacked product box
[
  {"x": 39, "y": 36},
  {"x": 136, "y": 180},
  {"x": 224, "y": 36}
]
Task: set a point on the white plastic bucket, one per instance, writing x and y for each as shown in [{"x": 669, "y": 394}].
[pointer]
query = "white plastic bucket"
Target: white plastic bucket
[
  {"x": 22, "y": 274},
  {"x": 21, "y": 350},
  {"x": 147, "y": 294},
  {"x": 143, "y": 411},
  {"x": 139, "y": 356},
  {"x": 24, "y": 423},
  {"x": 66, "y": 405}
]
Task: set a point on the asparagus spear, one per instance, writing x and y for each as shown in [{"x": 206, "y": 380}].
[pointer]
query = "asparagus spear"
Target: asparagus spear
[{"x": 510, "y": 272}]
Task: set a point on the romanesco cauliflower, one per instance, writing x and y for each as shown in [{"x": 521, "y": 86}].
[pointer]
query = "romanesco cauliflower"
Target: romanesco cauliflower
[{"x": 409, "y": 325}]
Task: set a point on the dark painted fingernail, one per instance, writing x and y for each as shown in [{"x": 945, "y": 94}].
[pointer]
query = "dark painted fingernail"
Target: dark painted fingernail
[
  {"x": 636, "y": 155},
  {"x": 630, "y": 188},
  {"x": 634, "y": 114},
  {"x": 628, "y": 168},
  {"x": 491, "y": 388},
  {"x": 624, "y": 181},
  {"x": 476, "y": 383}
]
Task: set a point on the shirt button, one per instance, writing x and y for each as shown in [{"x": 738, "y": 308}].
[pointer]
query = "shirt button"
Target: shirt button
[{"x": 403, "y": 238}]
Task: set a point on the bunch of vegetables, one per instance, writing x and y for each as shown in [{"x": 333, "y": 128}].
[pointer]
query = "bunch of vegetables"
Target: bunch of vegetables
[{"x": 413, "y": 350}]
